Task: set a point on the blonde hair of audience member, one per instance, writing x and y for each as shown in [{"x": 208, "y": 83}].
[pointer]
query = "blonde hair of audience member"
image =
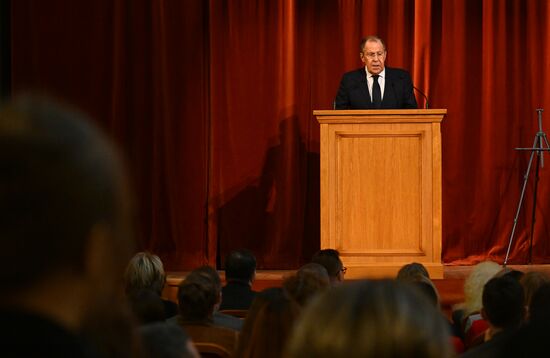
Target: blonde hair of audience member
[
  {"x": 473, "y": 286},
  {"x": 145, "y": 271},
  {"x": 531, "y": 282},
  {"x": 371, "y": 319},
  {"x": 268, "y": 325}
]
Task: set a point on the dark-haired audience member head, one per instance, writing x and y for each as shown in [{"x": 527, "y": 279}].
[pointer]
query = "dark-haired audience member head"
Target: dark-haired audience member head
[
  {"x": 515, "y": 274},
  {"x": 417, "y": 275},
  {"x": 147, "y": 306},
  {"x": 370, "y": 319},
  {"x": 531, "y": 282},
  {"x": 532, "y": 338},
  {"x": 64, "y": 208},
  {"x": 240, "y": 265},
  {"x": 209, "y": 273},
  {"x": 165, "y": 340},
  {"x": 539, "y": 308},
  {"x": 268, "y": 325},
  {"x": 330, "y": 260},
  {"x": 315, "y": 269},
  {"x": 411, "y": 272},
  {"x": 427, "y": 288},
  {"x": 145, "y": 271},
  {"x": 197, "y": 298},
  {"x": 308, "y": 281},
  {"x": 503, "y": 303}
]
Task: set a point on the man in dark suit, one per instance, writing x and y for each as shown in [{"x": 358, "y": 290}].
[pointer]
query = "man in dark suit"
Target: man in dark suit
[{"x": 375, "y": 86}]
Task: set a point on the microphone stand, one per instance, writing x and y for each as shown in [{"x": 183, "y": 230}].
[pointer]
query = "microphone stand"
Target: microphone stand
[
  {"x": 423, "y": 95},
  {"x": 540, "y": 145}
]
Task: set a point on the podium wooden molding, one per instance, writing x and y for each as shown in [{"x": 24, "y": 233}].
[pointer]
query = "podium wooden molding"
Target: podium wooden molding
[{"x": 381, "y": 189}]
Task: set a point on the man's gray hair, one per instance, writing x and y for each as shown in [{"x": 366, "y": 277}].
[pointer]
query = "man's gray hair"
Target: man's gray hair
[{"x": 372, "y": 38}]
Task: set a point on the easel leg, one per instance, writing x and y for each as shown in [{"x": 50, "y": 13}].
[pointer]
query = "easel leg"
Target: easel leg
[
  {"x": 533, "y": 217},
  {"x": 518, "y": 210}
]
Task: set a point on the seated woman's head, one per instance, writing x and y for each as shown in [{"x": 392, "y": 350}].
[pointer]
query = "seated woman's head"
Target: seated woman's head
[
  {"x": 268, "y": 324},
  {"x": 371, "y": 319},
  {"x": 531, "y": 282},
  {"x": 412, "y": 272},
  {"x": 307, "y": 283},
  {"x": 144, "y": 271}
]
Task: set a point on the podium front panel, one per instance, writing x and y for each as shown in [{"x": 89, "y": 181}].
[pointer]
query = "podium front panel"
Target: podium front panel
[{"x": 381, "y": 193}]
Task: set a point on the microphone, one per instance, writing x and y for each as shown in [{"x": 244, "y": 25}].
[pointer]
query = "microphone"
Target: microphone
[{"x": 423, "y": 95}]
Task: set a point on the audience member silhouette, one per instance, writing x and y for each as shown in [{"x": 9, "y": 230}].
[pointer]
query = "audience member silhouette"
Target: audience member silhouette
[
  {"x": 268, "y": 325},
  {"x": 308, "y": 281},
  {"x": 417, "y": 275},
  {"x": 240, "y": 271},
  {"x": 64, "y": 229},
  {"x": 198, "y": 296},
  {"x": 218, "y": 318},
  {"x": 330, "y": 260},
  {"x": 145, "y": 271},
  {"x": 315, "y": 269},
  {"x": 427, "y": 288},
  {"x": 165, "y": 340},
  {"x": 371, "y": 319},
  {"x": 539, "y": 306},
  {"x": 531, "y": 282},
  {"x": 147, "y": 306},
  {"x": 515, "y": 274},
  {"x": 411, "y": 272},
  {"x": 465, "y": 314},
  {"x": 503, "y": 309},
  {"x": 532, "y": 339}
]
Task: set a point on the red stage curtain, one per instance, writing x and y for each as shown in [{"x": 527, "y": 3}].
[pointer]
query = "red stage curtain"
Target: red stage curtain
[{"x": 211, "y": 101}]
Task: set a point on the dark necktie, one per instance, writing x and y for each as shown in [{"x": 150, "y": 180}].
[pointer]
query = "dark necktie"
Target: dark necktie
[{"x": 376, "y": 93}]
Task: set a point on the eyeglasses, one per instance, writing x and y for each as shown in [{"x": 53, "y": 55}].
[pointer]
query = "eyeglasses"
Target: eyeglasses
[
  {"x": 373, "y": 55},
  {"x": 344, "y": 269}
]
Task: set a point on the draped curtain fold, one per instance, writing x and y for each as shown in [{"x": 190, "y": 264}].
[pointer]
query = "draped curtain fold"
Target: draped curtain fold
[{"x": 211, "y": 102}]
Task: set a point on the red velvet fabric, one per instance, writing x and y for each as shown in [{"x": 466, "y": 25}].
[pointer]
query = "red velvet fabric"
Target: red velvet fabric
[{"x": 212, "y": 101}]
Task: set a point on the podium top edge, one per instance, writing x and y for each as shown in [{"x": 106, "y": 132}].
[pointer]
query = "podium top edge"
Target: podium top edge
[{"x": 387, "y": 112}]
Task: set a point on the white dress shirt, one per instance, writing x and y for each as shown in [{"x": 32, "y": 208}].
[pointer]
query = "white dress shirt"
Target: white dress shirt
[{"x": 381, "y": 81}]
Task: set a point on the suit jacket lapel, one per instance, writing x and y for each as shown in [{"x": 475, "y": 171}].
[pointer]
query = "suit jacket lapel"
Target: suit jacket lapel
[{"x": 389, "y": 90}]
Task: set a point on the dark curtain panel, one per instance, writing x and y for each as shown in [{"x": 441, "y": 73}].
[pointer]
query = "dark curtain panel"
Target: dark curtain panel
[
  {"x": 141, "y": 68},
  {"x": 211, "y": 101},
  {"x": 5, "y": 49}
]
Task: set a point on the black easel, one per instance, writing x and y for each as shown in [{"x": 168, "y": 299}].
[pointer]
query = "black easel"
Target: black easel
[{"x": 540, "y": 145}]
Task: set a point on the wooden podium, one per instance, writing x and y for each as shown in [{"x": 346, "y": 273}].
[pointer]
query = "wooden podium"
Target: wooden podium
[{"x": 381, "y": 189}]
